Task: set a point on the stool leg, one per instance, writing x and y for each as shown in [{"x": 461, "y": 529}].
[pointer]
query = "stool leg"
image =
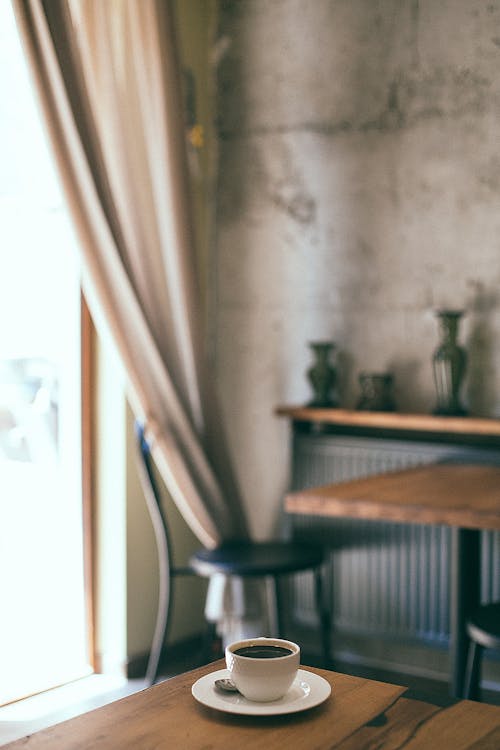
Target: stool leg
[
  {"x": 278, "y": 608},
  {"x": 472, "y": 673},
  {"x": 324, "y": 616}
]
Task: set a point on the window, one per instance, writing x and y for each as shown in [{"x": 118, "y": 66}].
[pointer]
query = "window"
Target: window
[{"x": 43, "y": 628}]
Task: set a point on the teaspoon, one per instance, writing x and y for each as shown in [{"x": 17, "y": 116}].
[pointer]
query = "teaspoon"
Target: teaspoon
[{"x": 226, "y": 685}]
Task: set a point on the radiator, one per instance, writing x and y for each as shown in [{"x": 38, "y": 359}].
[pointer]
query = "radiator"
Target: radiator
[{"x": 385, "y": 579}]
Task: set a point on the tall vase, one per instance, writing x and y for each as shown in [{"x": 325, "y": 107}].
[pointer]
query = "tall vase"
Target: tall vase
[
  {"x": 322, "y": 375},
  {"x": 449, "y": 362}
]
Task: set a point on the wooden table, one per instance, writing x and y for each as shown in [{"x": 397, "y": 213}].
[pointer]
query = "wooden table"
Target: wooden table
[
  {"x": 359, "y": 714},
  {"x": 463, "y": 496}
]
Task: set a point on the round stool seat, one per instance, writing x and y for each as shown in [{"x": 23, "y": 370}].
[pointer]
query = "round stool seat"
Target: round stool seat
[
  {"x": 483, "y": 626},
  {"x": 244, "y": 558}
]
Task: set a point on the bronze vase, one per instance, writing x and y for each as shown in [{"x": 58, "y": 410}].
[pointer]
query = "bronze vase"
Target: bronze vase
[
  {"x": 376, "y": 392},
  {"x": 449, "y": 363},
  {"x": 322, "y": 375}
]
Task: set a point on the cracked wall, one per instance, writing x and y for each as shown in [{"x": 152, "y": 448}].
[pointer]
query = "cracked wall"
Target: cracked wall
[{"x": 359, "y": 191}]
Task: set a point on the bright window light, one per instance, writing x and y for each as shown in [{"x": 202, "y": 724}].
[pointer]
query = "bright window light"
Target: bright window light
[{"x": 43, "y": 639}]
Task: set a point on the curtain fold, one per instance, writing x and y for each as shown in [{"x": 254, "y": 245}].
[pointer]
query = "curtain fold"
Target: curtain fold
[{"x": 108, "y": 81}]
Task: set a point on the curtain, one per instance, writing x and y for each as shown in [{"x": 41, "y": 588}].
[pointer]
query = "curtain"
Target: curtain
[{"x": 108, "y": 80}]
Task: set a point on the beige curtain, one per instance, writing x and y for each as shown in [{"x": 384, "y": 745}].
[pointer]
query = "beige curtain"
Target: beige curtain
[{"x": 109, "y": 84}]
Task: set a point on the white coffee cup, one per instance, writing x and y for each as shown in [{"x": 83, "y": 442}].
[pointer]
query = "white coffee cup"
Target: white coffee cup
[{"x": 263, "y": 669}]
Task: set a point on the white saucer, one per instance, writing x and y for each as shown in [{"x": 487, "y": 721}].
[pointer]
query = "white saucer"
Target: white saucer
[{"x": 307, "y": 690}]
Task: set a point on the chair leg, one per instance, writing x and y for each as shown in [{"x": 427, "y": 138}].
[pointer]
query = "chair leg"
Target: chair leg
[
  {"x": 324, "y": 617},
  {"x": 472, "y": 672},
  {"x": 162, "y": 625}
]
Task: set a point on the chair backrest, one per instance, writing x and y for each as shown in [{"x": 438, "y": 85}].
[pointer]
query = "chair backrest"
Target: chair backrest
[
  {"x": 166, "y": 568},
  {"x": 153, "y": 498}
]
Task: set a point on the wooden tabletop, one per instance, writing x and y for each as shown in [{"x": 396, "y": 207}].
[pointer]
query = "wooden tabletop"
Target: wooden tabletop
[
  {"x": 463, "y": 495},
  {"x": 414, "y": 725},
  {"x": 167, "y": 716},
  {"x": 359, "y": 714}
]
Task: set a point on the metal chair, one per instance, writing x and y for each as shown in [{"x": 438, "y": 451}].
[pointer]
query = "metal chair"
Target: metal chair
[
  {"x": 483, "y": 630},
  {"x": 242, "y": 558},
  {"x": 167, "y": 571}
]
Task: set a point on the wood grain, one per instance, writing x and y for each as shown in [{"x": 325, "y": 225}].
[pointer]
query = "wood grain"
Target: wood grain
[
  {"x": 464, "y": 495},
  {"x": 167, "y": 716},
  {"x": 393, "y": 420},
  {"x": 359, "y": 715},
  {"x": 413, "y": 725}
]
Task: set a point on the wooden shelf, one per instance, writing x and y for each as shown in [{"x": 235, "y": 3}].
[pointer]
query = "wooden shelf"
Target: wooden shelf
[{"x": 393, "y": 421}]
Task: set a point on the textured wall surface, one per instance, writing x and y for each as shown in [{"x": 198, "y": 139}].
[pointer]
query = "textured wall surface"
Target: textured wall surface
[{"x": 359, "y": 187}]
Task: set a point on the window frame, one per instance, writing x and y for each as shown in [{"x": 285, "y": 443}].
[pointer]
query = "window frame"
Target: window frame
[{"x": 88, "y": 381}]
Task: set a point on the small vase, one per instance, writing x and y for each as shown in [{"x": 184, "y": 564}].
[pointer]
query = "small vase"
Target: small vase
[
  {"x": 449, "y": 362},
  {"x": 376, "y": 392},
  {"x": 322, "y": 375}
]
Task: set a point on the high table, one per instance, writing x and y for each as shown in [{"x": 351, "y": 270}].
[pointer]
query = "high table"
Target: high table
[
  {"x": 463, "y": 496},
  {"x": 358, "y": 714}
]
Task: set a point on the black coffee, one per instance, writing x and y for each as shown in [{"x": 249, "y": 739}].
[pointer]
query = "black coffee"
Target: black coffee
[{"x": 263, "y": 652}]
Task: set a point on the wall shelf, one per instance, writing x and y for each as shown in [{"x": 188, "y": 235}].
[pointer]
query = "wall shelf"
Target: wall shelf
[{"x": 474, "y": 427}]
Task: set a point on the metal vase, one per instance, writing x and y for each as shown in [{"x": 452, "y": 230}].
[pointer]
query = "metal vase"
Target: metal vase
[
  {"x": 322, "y": 375},
  {"x": 449, "y": 363}
]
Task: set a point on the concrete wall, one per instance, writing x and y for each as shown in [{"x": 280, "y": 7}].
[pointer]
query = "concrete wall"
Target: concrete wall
[
  {"x": 359, "y": 186},
  {"x": 357, "y": 192}
]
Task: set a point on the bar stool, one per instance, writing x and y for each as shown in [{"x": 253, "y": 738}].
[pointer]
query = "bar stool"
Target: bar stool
[
  {"x": 272, "y": 561},
  {"x": 243, "y": 558},
  {"x": 483, "y": 630}
]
